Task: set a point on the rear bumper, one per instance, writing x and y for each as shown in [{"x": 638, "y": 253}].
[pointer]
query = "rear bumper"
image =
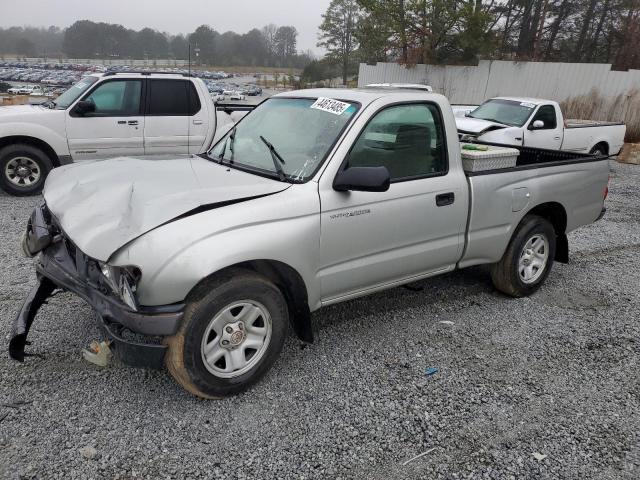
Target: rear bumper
[{"x": 56, "y": 268}]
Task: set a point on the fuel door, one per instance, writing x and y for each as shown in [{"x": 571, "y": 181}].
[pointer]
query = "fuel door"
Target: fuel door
[{"x": 520, "y": 198}]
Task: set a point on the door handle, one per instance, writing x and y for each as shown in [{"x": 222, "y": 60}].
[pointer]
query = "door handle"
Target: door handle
[
  {"x": 445, "y": 199},
  {"x": 122, "y": 122},
  {"x": 133, "y": 122},
  {"x": 556, "y": 138},
  {"x": 197, "y": 122}
]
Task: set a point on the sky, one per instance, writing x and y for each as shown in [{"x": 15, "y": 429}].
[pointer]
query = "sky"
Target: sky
[{"x": 173, "y": 16}]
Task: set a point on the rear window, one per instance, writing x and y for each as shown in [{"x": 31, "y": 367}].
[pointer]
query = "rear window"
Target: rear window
[{"x": 172, "y": 98}]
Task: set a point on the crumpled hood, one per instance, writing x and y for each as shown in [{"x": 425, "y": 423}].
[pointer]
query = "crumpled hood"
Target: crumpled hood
[
  {"x": 102, "y": 205},
  {"x": 476, "y": 125}
]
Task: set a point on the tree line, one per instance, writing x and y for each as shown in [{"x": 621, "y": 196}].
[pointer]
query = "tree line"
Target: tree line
[
  {"x": 272, "y": 45},
  {"x": 465, "y": 31}
]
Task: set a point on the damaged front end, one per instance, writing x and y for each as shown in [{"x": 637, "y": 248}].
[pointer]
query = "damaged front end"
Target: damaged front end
[{"x": 110, "y": 291}]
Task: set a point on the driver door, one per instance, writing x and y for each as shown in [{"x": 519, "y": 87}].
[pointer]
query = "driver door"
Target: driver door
[
  {"x": 550, "y": 135},
  {"x": 374, "y": 239},
  {"x": 115, "y": 127}
]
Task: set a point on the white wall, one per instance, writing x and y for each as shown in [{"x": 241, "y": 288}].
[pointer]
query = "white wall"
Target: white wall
[{"x": 591, "y": 91}]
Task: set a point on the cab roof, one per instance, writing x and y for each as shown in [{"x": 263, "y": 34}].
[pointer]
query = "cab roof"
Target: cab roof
[
  {"x": 364, "y": 96},
  {"x": 536, "y": 101}
]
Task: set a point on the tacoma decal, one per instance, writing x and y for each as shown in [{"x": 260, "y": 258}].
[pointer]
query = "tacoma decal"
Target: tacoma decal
[{"x": 354, "y": 213}]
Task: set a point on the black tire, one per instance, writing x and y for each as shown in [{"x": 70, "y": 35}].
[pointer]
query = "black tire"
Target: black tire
[
  {"x": 506, "y": 275},
  {"x": 599, "y": 149},
  {"x": 33, "y": 156},
  {"x": 184, "y": 358}
]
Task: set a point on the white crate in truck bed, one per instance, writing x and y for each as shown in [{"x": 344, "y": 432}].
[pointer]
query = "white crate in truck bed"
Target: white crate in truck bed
[{"x": 493, "y": 158}]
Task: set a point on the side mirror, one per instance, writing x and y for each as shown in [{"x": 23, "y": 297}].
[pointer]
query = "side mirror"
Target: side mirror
[
  {"x": 84, "y": 107},
  {"x": 537, "y": 125},
  {"x": 363, "y": 179}
]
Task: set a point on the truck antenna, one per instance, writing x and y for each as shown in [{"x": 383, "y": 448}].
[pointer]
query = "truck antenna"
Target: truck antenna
[{"x": 189, "y": 106}]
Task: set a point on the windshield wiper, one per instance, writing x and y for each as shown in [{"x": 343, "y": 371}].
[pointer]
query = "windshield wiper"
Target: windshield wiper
[
  {"x": 493, "y": 120},
  {"x": 232, "y": 137},
  {"x": 277, "y": 159}
]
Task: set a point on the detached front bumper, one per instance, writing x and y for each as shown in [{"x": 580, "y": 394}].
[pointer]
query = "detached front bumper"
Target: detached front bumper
[{"x": 62, "y": 265}]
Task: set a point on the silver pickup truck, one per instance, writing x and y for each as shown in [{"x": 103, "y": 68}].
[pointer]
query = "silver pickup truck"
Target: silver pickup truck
[{"x": 314, "y": 198}]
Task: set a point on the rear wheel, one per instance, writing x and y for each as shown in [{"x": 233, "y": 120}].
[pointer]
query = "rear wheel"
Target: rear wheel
[
  {"x": 528, "y": 259},
  {"x": 599, "y": 150},
  {"x": 232, "y": 332},
  {"x": 23, "y": 169}
]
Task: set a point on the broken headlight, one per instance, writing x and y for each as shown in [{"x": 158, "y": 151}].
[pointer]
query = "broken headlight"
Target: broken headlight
[{"x": 123, "y": 282}]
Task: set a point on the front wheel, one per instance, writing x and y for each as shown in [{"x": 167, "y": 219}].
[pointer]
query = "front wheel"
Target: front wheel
[
  {"x": 528, "y": 259},
  {"x": 232, "y": 332},
  {"x": 23, "y": 169}
]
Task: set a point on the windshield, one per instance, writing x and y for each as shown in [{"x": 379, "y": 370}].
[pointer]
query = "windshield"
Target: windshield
[
  {"x": 508, "y": 112},
  {"x": 300, "y": 131},
  {"x": 70, "y": 96}
]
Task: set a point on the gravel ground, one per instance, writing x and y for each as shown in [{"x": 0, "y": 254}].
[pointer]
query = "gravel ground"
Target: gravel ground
[{"x": 544, "y": 387}]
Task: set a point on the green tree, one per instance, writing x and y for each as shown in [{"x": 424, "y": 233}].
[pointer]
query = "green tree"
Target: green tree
[
  {"x": 179, "y": 47},
  {"x": 204, "y": 40},
  {"x": 425, "y": 31},
  {"x": 337, "y": 33},
  {"x": 26, "y": 47},
  {"x": 372, "y": 34},
  {"x": 151, "y": 44},
  {"x": 286, "y": 40}
]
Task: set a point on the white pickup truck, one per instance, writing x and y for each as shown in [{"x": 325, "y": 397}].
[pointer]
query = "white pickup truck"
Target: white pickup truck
[
  {"x": 104, "y": 116},
  {"x": 531, "y": 122}
]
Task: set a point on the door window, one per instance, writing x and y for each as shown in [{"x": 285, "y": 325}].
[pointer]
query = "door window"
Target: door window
[
  {"x": 547, "y": 114},
  {"x": 407, "y": 139},
  {"x": 177, "y": 98},
  {"x": 116, "y": 98}
]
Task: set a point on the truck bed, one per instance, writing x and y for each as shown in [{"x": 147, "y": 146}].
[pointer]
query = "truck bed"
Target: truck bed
[
  {"x": 530, "y": 158},
  {"x": 573, "y": 123},
  {"x": 500, "y": 198}
]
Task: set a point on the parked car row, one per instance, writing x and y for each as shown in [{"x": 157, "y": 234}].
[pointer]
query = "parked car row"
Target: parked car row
[
  {"x": 220, "y": 91},
  {"x": 81, "y": 67},
  {"x": 46, "y": 77},
  {"x": 70, "y": 73},
  {"x": 204, "y": 74}
]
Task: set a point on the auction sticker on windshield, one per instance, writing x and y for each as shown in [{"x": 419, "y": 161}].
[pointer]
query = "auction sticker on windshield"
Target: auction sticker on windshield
[{"x": 332, "y": 106}]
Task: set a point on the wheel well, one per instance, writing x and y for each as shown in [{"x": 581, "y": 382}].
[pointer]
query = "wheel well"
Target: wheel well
[
  {"x": 35, "y": 142},
  {"x": 605, "y": 147},
  {"x": 556, "y": 214},
  {"x": 292, "y": 286}
]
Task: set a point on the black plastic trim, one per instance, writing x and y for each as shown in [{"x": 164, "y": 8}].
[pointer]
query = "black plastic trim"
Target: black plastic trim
[
  {"x": 533, "y": 158},
  {"x": 65, "y": 159},
  {"x": 151, "y": 321},
  {"x": 133, "y": 354}
]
